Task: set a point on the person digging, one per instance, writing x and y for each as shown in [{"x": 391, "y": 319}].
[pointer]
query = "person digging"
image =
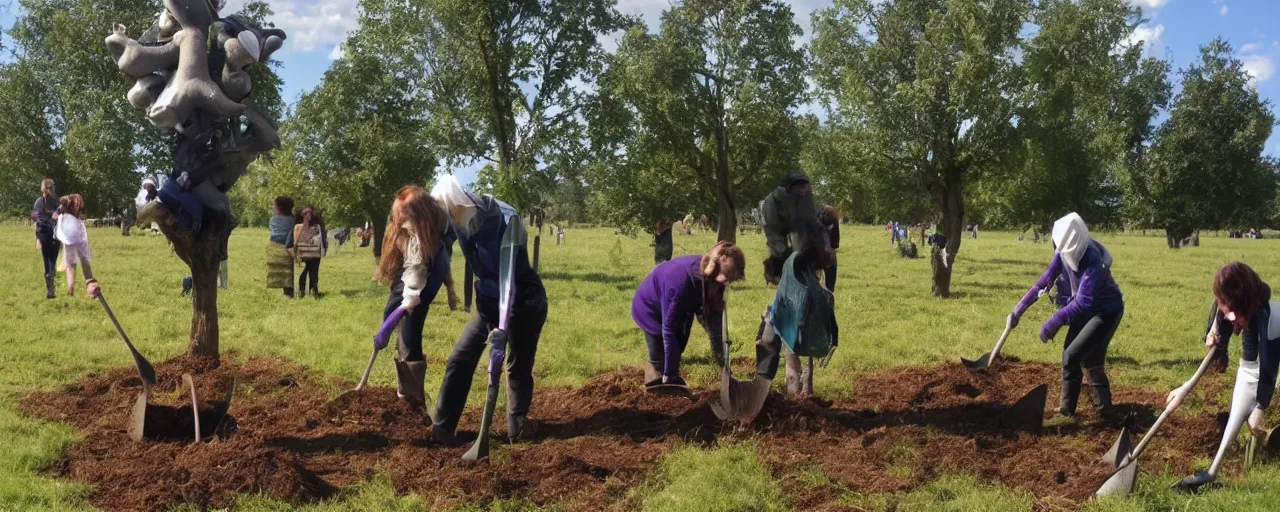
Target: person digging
[
  {"x": 480, "y": 223},
  {"x": 414, "y": 263},
  {"x": 671, "y": 297},
  {"x": 1243, "y": 301},
  {"x": 1091, "y": 315},
  {"x": 782, "y": 210}
]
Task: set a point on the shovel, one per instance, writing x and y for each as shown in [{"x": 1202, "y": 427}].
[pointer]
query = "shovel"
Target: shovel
[
  {"x": 379, "y": 340},
  {"x": 985, "y": 361},
  {"x": 506, "y": 276},
  {"x": 651, "y": 374},
  {"x": 1125, "y": 477},
  {"x": 739, "y": 400},
  {"x": 195, "y": 404},
  {"x": 146, "y": 372}
]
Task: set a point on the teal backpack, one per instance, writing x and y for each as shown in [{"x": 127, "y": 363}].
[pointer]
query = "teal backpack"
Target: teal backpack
[{"x": 804, "y": 312}]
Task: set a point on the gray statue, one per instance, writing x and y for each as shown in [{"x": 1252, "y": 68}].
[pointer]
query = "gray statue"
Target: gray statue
[{"x": 202, "y": 96}]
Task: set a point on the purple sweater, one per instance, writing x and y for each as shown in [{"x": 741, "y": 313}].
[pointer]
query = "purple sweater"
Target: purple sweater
[
  {"x": 1093, "y": 291},
  {"x": 666, "y": 303}
]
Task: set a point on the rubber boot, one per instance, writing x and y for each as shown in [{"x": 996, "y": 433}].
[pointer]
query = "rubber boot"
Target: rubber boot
[
  {"x": 410, "y": 376},
  {"x": 799, "y": 375},
  {"x": 1099, "y": 389},
  {"x": 515, "y": 426},
  {"x": 1070, "y": 395},
  {"x": 48, "y": 285}
]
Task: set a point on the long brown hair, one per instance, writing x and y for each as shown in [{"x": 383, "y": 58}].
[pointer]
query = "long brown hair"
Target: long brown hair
[
  {"x": 415, "y": 206},
  {"x": 1239, "y": 288},
  {"x": 72, "y": 205}
]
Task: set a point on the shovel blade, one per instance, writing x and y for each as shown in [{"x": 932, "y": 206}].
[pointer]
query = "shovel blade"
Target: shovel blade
[
  {"x": 138, "y": 416},
  {"x": 741, "y": 400},
  {"x": 1121, "y": 449},
  {"x": 1028, "y": 412},
  {"x": 979, "y": 364},
  {"x": 480, "y": 449},
  {"x": 1122, "y": 482},
  {"x": 1270, "y": 443}
]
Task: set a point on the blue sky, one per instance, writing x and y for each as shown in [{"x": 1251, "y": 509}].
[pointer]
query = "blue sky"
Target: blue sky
[{"x": 1174, "y": 30}]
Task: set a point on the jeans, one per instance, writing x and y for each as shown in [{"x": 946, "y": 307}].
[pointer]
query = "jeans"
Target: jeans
[
  {"x": 310, "y": 267},
  {"x": 525, "y": 328},
  {"x": 49, "y": 247}
]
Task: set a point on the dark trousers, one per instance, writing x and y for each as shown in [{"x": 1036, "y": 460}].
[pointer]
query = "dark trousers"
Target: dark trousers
[
  {"x": 1086, "y": 344},
  {"x": 310, "y": 267},
  {"x": 49, "y": 247},
  {"x": 658, "y": 352},
  {"x": 411, "y": 326},
  {"x": 523, "y": 331},
  {"x": 829, "y": 274}
]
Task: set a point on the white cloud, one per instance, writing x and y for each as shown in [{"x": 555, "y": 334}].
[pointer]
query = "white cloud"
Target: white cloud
[
  {"x": 1249, "y": 48},
  {"x": 1223, "y": 11},
  {"x": 1145, "y": 35},
  {"x": 1258, "y": 67},
  {"x": 337, "y": 53},
  {"x": 311, "y": 24},
  {"x": 1275, "y": 44},
  {"x": 1149, "y": 4}
]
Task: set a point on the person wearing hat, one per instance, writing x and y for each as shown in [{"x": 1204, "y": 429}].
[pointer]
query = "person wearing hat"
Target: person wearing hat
[
  {"x": 1091, "y": 315},
  {"x": 783, "y": 209},
  {"x": 480, "y": 223}
]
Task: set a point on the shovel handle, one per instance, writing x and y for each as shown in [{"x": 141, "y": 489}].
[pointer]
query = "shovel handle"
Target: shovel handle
[
  {"x": 1168, "y": 410},
  {"x": 364, "y": 379},
  {"x": 1004, "y": 336}
]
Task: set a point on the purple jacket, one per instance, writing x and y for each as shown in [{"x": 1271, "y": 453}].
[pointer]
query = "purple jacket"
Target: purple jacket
[
  {"x": 666, "y": 304},
  {"x": 1093, "y": 291}
]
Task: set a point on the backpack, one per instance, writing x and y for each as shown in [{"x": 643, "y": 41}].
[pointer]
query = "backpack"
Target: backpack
[{"x": 804, "y": 312}]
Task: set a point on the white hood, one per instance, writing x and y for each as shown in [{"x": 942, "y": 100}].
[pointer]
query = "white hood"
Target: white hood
[
  {"x": 1071, "y": 236},
  {"x": 449, "y": 194}
]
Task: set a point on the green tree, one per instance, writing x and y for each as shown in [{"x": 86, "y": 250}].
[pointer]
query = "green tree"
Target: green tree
[
  {"x": 357, "y": 139},
  {"x": 29, "y": 151},
  {"x": 851, "y": 179},
  {"x": 701, "y": 113},
  {"x": 1207, "y": 170},
  {"x": 1071, "y": 143},
  {"x": 925, "y": 85}
]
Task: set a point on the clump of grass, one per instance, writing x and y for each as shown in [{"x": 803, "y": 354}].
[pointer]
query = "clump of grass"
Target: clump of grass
[{"x": 727, "y": 478}]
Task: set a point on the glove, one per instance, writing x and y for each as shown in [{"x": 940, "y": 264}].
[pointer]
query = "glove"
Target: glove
[
  {"x": 1175, "y": 397},
  {"x": 498, "y": 346},
  {"x": 1013, "y": 320},
  {"x": 1047, "y": 333},
  {"x": 1255, "y": 421},
  {"x": 410, "y": 302},
  {"x": 1197, "y": 482}
]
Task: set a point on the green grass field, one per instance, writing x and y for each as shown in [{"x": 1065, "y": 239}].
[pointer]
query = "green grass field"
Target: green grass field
[{"x": 887, "y": 319}]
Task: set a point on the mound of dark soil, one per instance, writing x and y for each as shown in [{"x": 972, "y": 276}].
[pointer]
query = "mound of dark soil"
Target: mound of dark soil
[{"x": 584, "y": 447}]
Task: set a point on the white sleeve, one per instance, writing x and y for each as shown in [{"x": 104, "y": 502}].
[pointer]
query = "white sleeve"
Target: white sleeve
[{"x": 415, "y": 271}]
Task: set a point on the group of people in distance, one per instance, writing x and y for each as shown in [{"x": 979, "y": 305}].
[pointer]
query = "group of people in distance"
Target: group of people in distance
[{"x": 801, "y": 241}]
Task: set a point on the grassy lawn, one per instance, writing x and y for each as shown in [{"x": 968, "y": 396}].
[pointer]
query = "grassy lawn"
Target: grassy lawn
[{"x": 887, "y": 317}]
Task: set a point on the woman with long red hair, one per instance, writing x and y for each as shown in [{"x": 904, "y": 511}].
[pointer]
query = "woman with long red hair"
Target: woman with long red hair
[
  {"x": 1243, "y": 302},
  {"x": 414, "y": 263}
]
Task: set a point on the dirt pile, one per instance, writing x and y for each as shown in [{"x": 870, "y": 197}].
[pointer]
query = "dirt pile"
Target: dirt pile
[{"x": 584, "y": 447}]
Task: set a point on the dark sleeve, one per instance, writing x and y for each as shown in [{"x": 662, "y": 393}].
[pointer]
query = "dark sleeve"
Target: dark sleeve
[
  {"x": 835, "y": 235},
  {"x": 1268, "y": 355},
  {"x": 1091, "y": 280}
]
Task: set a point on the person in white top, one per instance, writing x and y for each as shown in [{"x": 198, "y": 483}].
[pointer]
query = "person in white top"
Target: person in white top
[
  {"x": 146, "y": 196},
  {"x": 75, "y": 242}
]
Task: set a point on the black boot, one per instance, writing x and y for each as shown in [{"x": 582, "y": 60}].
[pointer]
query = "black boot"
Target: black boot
[
  {"x": 1100, "y": 389},
  {"x": 515, "y": 425},
  {"x": 48, "y": 285},
  {"x": 1070, "y": 395}
]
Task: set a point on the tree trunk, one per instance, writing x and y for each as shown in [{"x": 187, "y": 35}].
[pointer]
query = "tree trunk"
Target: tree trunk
[
  {"x": 1173, "y": 237},
  {"x": 204, "y": 297},
  {"x": 379, "y": 229},
  {"x": 951, "y": 201},
  {"x": 727, "y": 223},
  {"x": 202, "y": 253}
]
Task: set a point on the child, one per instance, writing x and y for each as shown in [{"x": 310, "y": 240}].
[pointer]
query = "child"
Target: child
[
  {"x": 308, "y": 241},
  {"x": 414, "y": 263},
  {"x": 74, "y": 239}
]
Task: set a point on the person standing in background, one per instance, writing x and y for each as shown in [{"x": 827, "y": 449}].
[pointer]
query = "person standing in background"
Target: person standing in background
[
  {"x": 830, "y": 220},
  {"x": 663, "y": 246},
  {"x": 308, "y": 249},
  {"x": 46, "y": 241},
  {"x": 74, "y": 238},
  {"x": 279, "y": 261}
]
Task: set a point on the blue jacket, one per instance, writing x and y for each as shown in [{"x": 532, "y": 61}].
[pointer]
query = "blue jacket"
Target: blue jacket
[
  {"x": 481, "y": 244},
  {"x": 1093, "y": 291}
]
